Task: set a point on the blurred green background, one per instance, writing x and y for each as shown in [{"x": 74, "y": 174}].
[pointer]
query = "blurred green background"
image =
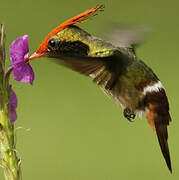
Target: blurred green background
[{"x": 76, "y": 132}]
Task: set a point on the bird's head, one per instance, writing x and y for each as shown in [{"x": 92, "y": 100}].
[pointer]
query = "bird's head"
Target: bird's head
[{"x": 66, "y": 38}]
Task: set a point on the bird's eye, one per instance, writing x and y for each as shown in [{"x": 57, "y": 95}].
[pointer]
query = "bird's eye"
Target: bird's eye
[{"x": 52, "y": 44}]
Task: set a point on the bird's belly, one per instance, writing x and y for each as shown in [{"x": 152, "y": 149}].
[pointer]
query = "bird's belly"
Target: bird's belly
[{"x": 124, "y": 93}]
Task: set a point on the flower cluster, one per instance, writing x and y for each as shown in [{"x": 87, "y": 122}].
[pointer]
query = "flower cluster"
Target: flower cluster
[{"x": 22, "y": 71}]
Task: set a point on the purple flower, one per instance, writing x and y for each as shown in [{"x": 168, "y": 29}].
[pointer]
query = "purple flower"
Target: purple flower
[
  {"x": 19, "y": 51},
  {"x": 13, "y": 106}
]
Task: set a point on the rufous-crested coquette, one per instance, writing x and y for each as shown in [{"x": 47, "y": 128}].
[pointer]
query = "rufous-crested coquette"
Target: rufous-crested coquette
[{"x": 115, "y": 69}]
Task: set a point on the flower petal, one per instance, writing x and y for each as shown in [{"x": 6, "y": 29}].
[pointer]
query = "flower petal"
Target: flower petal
[
  {"x": 19, "y": 49},
  {"x": 23, "y": 73},
  {"x": 13, "y": 116},
  {"x": 13, "y": 106}
]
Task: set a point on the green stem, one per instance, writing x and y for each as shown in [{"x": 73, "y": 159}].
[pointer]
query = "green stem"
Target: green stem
[{"x": 9, "y": 159}]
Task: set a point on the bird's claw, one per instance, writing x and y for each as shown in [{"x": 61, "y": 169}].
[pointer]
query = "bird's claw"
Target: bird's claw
[{"x": 129, "y": 114}]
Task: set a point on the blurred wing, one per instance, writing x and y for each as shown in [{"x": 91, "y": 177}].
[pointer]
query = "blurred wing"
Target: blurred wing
[
  {"x": 86, "y": 66},
  {"x": 125, "y": 36},
  {"x": 97, "y": 68}
]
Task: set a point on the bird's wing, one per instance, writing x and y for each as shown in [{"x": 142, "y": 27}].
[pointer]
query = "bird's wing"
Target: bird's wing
[
  {"x": 126, "y": 36},
  {"x": 95, "y": 67}
]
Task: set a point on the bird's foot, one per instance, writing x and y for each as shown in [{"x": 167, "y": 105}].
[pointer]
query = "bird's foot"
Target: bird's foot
[{"x": 129, "y": 114}]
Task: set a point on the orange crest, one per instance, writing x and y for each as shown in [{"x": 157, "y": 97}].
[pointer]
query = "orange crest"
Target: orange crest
[{"x": 75, "y": 20}]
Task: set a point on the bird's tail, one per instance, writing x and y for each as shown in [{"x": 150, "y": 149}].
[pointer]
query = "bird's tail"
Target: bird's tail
[{"x": 158, "y": 117}]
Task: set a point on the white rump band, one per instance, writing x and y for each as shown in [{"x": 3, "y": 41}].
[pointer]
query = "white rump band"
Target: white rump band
[{"x": 153, "y": 88}]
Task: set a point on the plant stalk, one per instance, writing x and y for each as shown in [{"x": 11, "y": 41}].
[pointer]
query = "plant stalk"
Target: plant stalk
[{"x": 10, "y": 161}]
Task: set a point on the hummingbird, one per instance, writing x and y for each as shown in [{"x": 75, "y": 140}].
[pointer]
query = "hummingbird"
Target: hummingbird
[{"x": 116, "y": 69}]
